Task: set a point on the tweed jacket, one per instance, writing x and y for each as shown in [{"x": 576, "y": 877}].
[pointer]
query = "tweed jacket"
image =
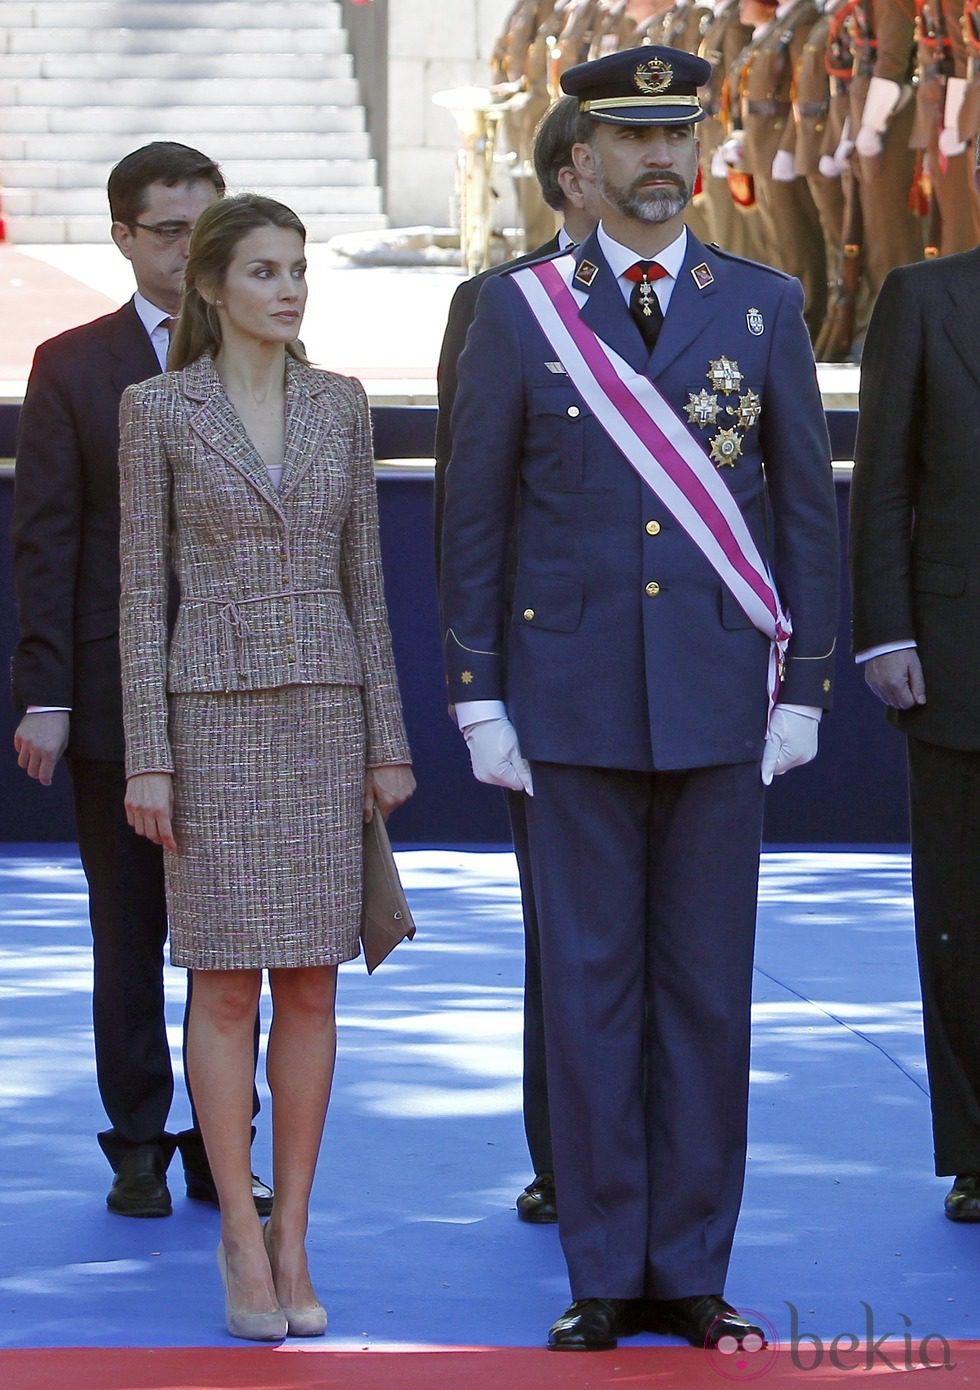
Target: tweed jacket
[{"x": 276, "y": 589}]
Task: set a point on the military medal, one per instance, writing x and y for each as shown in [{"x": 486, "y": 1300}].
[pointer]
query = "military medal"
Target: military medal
[
  {"x": 724, "y": 374},
  {"x": 702, "y": 408},
  {"x": 726, "y": 447},
  {"x": 749, "y": 410}
]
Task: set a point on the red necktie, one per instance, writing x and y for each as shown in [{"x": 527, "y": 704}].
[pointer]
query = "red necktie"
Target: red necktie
[{"x": 644, "y": 304}]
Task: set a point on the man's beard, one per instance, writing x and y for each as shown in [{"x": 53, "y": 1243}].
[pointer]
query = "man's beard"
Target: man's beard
[{"x": 644, "y": 203}]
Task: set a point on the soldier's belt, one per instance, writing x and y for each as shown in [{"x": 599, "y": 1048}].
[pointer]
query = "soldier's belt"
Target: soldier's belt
[
  {"x": 767, "y": 108},
  {"x": 808, "y": 109}
]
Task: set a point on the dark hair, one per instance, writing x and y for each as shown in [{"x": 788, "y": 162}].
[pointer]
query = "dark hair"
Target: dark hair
[
  {"x": 162, "y": 162},
  {"x": 553, "y": 140},
  {"x": 219, "y": 230}
]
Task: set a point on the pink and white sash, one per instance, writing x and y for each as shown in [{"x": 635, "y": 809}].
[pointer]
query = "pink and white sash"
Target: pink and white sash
[{"x": 658, "y": 445}]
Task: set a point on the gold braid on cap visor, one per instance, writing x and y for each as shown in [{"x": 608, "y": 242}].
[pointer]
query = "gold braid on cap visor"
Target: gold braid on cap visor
[{"x": 612, "y": 103}]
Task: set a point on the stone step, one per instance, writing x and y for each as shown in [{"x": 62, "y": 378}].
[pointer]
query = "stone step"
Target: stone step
[
  {"x": 87, "y": 230},
  {"x": 159, "y": 92},
  {"x": 221, "y": 145},
  {"x": 239, "y": 173},
  {"x": 178, "y": 14},
  {"x": 136, "y": 125},
  {"x": 132, "y": 42},
  {"x": 28, "y": 69},
  {"x": 45, "y": 202}
]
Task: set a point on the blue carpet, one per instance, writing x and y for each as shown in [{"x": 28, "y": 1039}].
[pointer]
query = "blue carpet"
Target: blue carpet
[{"x": 414, "y": 1240}]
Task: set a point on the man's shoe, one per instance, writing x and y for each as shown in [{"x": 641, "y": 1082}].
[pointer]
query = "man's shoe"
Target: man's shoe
[
  {"x": 963, "y": 1198},
  {"x": 140, "y": 1186},
  {"x": 703, "y": 1320},
  {"x": 593, "y": 1324},
  {"x": 537, "y": 1202},
  {"x": 201, "y": 1188}
]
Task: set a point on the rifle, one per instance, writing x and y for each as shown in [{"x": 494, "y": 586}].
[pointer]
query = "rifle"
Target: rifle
[{"x": 836, "y": 337}]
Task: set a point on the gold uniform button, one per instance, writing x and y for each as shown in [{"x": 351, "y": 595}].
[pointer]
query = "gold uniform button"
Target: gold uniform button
[
  {"x": 529, "y": 614},
  {"x": 652, "y": 589},
  {"x": 574, "y": 412},
  {"x": 653, "y": 528}
]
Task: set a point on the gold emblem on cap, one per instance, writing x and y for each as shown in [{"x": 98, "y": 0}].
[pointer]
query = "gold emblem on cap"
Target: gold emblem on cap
[
  {"x": 702, "y": 408},
  {"x": 726, "y": 447},
  {"x": 653, "y": 77},
  {"x": 724, "y": 374}
]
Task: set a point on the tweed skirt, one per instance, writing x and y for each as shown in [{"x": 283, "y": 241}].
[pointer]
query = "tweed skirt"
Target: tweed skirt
[{"x": 268, "y": 791}]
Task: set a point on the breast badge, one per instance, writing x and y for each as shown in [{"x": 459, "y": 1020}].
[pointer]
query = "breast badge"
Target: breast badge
[
  {"x": 724, "y": 374},
  {"x": 726, "y": 447},
  {"x": 754, "y": 322},
  {"x": 702, "y": 408},
  {"x": 748, "y": 410}
]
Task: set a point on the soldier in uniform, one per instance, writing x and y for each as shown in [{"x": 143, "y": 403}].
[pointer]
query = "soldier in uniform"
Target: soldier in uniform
[
  {"x": 970, "y": 110},
  {"x": 735, "y": 226},
  {"x": 683, "y": 26},
  {"x": 941, "y": 74},
  {"x": 881, "y": 34},
  {"x": 811, "y": 113},
  {"x": 622, "y": 684},
  {"x": 791, "y": 227}
]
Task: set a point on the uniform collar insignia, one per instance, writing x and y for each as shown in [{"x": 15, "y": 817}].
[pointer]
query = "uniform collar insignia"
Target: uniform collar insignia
[
  {"x": 586, "y": 273},
  {"x": 702, "y": 275}
]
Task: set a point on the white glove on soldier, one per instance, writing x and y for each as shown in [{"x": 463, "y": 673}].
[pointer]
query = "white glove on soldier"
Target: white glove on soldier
[
  {"x": 882, "y": 100},
  {"x": 784, "y": 166},
  {"x": 950, "y": 143},
  {"x": 833, "y": 165},
  {"x": 732, "y": 150},
  {"x": 792, "y": 739},
  {"x": 495, "y": 755},
  {"x": 719, "y": 168}
]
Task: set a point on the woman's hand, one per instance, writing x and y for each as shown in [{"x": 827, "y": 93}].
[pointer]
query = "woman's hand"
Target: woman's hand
[
  {"x": 387, "y": 787},
  {"x": 149, "y": 807}
]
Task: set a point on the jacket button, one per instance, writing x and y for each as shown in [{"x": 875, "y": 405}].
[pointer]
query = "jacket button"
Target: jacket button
[
  {"x": 529, "y": 614},
  {"x": 653, "y": 528},
  {"x": 652, "y": 589}
]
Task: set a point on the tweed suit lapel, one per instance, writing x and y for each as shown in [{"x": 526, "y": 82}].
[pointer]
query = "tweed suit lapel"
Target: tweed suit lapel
[
  {"x": 690, "y": 309},
  {"x": 218, "y": 424},
  {"x": 308, "y": 417},
  {"x": 962, "y": 317}
]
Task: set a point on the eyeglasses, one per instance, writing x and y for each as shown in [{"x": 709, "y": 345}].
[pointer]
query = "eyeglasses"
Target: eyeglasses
[{"x": 165, "y": 233}]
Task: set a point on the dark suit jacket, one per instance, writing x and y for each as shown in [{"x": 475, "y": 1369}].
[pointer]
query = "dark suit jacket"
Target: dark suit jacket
[
  {"x": 66, "y": 526},
  {"x": 593, "y": 671},
  {"x": 915, "y": 494},
  {"x": 461, "y": 312}
]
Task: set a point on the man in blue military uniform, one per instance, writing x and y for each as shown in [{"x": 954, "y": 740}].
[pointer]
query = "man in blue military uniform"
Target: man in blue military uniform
[{"x": 643, "y": 414}]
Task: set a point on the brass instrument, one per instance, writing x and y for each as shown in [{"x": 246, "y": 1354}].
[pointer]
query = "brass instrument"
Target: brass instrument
[{"x": 478, "y": 116}]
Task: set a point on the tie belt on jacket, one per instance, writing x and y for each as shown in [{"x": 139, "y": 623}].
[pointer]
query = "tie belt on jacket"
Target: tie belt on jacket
[
  {"x": 767, "y": 108},
  {"x": 230, "y": 613}
]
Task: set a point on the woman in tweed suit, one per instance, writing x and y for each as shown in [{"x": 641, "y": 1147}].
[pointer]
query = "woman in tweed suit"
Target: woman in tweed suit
[{"x": 267, "y": 727}]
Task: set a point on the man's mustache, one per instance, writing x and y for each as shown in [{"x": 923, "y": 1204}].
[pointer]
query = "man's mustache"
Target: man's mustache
[{"x": 649, "y": 180}]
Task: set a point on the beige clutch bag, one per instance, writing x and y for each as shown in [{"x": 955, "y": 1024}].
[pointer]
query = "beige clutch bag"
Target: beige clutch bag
[{"x": 385, "y": 915}]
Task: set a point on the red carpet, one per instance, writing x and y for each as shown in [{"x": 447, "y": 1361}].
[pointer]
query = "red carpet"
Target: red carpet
[{"x": 477, "y": 1368}]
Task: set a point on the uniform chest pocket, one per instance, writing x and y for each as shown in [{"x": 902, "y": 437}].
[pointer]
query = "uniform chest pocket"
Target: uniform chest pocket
[{"x": 564, "y": 430}]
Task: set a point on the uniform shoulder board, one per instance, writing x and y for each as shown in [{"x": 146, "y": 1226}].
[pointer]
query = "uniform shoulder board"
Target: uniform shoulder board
[{"x": 744, "y": 260}]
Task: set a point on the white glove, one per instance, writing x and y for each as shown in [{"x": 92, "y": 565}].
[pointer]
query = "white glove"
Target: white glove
[
  {"x": 495, "y": 755},
  {"x": 719, "y": 168},
  {"x": 828, "y": 166},
  {"x": 732, "y": 150},
  {"x": 950, "y": 143},
  {"x": 792, "y": 739},
  {"x": 833, "y": 165},
  {"x": 882, "y": 100},
  {"x": 783, "y": 166}
]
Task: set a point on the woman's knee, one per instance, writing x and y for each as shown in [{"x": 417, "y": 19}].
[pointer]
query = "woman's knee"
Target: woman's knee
[
  {"x": 229, "y": 998},
  {"x": 310, "y": 991}
]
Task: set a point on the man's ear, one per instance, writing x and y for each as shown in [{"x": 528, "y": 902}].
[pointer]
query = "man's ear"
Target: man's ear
[
  {"x": 123, "y": 237},
  {"x": 570, "y": 183},
  {"x": 583, "y": 159}
]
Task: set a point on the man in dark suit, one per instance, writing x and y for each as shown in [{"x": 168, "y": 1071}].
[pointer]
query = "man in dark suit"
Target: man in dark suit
[
  {"x": 574, "y": 201},
  {"x": 644, "y": 412},
  {"x": 66, "y": 665},
  {"x": 915, "y": 571}
]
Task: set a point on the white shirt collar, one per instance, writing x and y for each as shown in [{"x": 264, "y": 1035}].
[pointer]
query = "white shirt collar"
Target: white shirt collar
[
  {"x": 564, "y": 240},
  {"x": 152, "y": 318},
  {"x": 619, "y": 257}
]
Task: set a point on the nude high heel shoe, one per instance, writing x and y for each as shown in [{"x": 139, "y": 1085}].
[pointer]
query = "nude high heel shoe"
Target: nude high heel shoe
[
  {"x": 309, "y": 1320},
  {"x": 253, "y": 1327}
]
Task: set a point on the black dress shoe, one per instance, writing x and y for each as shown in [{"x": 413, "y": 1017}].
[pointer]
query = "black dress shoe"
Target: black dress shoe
[
  {"x": 537, "y": 1202},
  {"x": 140, "y": 1186},
  {"x": 963, "y": 1198},
  {"x": 702, "y": 1320},
  {"x": 201, "y": 1188},
  {"x": 593, "y": 1324}
]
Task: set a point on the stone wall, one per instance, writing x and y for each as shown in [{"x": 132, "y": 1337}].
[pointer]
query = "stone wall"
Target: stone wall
[{"x": 432, "y": 45}]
